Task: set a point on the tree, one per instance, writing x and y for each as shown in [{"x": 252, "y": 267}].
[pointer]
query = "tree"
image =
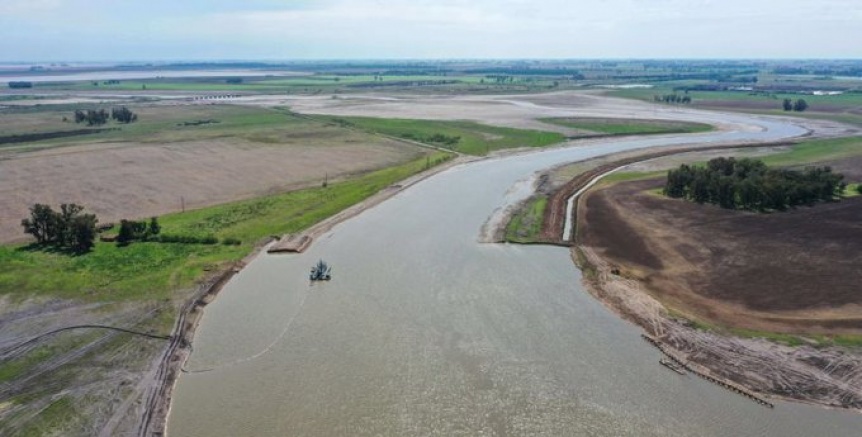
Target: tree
[
  {"x": 155, "y": 228},
  {"x": 787, "y": 105},
  {"x": 800, "y": 106},
  {"x": 42, "y": 223},
  {"x": 82, "y": 232},
  {"x": 69, "y": 212},
  {"x": 859, "y": 188},
  {"x": 126, "y": 234},
  {"x": 749, "y": 184},
  {"x": 123, "y": 115},
  {"x": 66, "y": 229},
  {"x": 131, "y": 230}
]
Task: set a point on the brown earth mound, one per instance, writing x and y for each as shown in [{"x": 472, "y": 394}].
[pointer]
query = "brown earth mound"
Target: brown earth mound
[{"x": 794, "y": 271}]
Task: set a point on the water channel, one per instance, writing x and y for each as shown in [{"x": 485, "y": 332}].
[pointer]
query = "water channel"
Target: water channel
[{"x": 424, "y": 331}]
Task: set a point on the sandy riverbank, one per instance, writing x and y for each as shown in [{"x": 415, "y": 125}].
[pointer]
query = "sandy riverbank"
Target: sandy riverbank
[{"x": 828, "y": 376}]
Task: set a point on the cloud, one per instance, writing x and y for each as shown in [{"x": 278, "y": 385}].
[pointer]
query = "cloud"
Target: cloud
[
  {"x": 27, "y": 8},
  {"x": 442, "y": 28}
]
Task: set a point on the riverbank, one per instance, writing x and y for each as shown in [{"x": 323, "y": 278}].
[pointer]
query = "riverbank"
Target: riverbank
[
  {"x": 178, "y": 352},
  {"x": 823, "y": 374}
]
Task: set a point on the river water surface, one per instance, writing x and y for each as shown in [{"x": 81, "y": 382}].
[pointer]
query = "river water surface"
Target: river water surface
[{"x": 425, "y": 331}]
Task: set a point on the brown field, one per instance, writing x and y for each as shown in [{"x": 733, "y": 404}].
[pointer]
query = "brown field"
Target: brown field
[
  {"x": 795, "y": 272},
  {"x": 153, "y": 171}
]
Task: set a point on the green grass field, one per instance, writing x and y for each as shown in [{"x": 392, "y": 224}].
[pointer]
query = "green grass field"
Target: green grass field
[
  {"x": 474, "y": 138},
  {"x": 610, "y": 126},
  {"x": 151, "y": 271},
  {"x": 526, "y": 225},
  {"x": 817, "y": 151}
]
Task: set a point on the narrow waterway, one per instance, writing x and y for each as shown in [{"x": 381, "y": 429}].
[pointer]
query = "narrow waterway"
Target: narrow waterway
[{"x": 424, "y": 331}]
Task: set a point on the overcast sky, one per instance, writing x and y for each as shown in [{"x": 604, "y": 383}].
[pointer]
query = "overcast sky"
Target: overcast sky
[{"x": 117, "y": 30}]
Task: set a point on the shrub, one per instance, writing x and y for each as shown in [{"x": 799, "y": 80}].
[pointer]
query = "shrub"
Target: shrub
[
  {"x": 230, "y": 241},
  {"x": 186, "y": 239}
]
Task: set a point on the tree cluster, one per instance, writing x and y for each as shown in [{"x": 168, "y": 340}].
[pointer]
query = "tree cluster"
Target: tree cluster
[
  {"x": 92, "y": 117},
  {"x": 123, "y": 115},
  {"x": 800, "y": 105},
  {"x": 436, "y": 138},
  {"x": 67, "y": 229},
  {"x": 131, "y": 230},
  {"x": 749, "y": 184},
  {"x": 98, "y": 117},
  {"x": 20, "y": 85},
  {"x": 673, "y": 98}
]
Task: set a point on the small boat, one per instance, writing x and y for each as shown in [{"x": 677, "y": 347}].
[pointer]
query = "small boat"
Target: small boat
[
  {"x": 321, "y": 272},
  {"x": 672, "y": 365}
]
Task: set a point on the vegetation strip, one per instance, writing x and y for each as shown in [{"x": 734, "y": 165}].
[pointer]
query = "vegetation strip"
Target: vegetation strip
[
  {"x": 593, "y": 127},
  {"x": 459, "y": 136}
]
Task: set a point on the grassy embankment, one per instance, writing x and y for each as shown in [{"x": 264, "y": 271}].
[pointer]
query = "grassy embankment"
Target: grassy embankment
[
  {"x": 460, "y": 136},
  {"x": 615, "y": 127},
  {"x": 153, "y": 270}
]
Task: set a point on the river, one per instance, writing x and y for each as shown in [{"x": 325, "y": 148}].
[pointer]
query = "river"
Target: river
[{"x": 424, "y": 331}]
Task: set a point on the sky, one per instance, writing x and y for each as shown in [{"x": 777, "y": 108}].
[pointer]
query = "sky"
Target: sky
[{"x": 174, "y": 30}]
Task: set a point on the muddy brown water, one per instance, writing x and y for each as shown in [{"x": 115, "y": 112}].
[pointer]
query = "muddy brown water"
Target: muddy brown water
[{"x": 424, "y": 331}]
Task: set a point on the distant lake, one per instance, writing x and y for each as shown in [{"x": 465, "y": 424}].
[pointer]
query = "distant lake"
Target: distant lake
[{"x": 133, "y": 75}]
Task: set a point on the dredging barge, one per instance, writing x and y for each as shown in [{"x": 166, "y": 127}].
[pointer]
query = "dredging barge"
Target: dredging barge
[{"x": 320, "y": 272}]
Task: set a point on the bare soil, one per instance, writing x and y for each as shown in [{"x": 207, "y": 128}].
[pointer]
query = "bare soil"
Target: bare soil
[
  {"x": 128, "y": 180},
  {"x": 796, "y": 271}
]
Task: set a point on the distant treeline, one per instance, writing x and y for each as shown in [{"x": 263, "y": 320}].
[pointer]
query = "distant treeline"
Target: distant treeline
[
  {"x": 745, "y": 76},
  {"x": 403, "y": 83},
  {"x": 672, "y": 98},
  {"x": 837, "y": 71},
  {"x": 525, "y": 71},
  {"x": 41, "y": 136},
  {"x": 749, "y": 184}
]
